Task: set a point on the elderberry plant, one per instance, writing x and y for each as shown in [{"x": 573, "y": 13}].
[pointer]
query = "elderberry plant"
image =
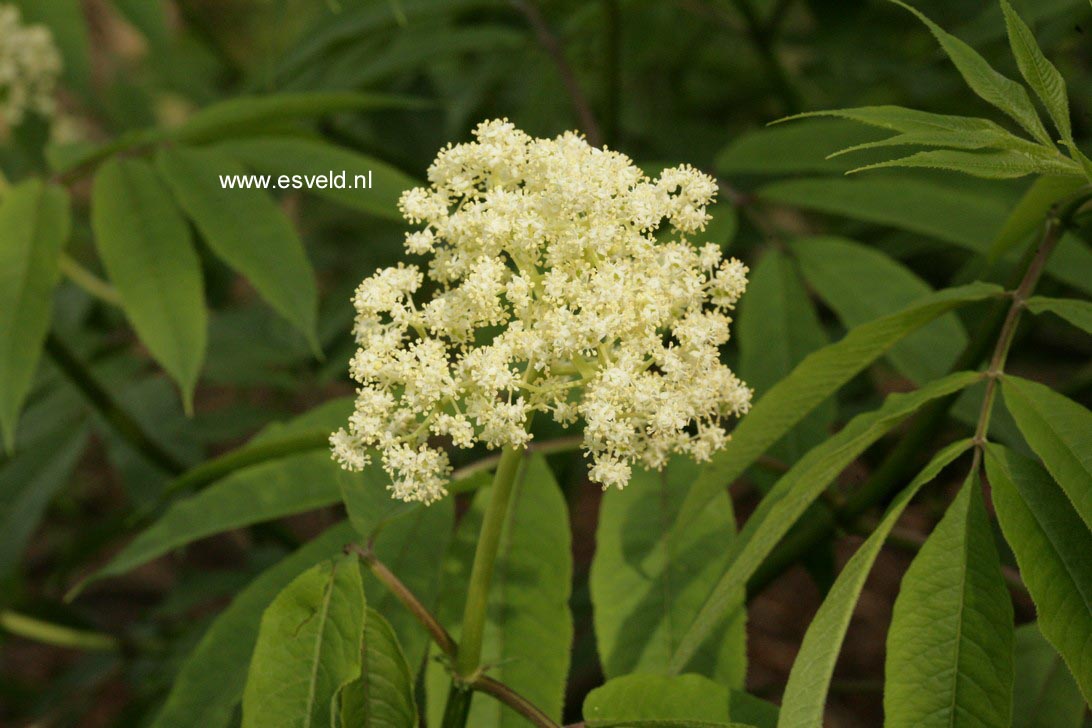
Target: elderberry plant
[{"x": 832, "y": 398}]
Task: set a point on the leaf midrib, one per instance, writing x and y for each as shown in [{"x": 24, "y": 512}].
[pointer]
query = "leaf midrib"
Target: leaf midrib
[{"x": 317, "y": 652}]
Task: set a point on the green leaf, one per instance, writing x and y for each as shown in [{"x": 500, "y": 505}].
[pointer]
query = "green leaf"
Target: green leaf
[
  {"x": 1052, "y": 547},
  {"x": 529, "y": 627},
  {"x": 383, "y": 696},
  {"x": 817, "y": 377},
  {"x": 979, "y": 139},
  {"x": 949, "y": 648},
  {"x": 255, "y": 114},
  {"x": 792, "y": 495},
  {"x": 310, "y": 645},
  {"x": 989, "y": 25},
  {"x": 145, "y": 245},
  {"x": 210, "y": 682},
  {"x": 247, "y": 229},
  {"x": 1076, "y": 312},
  {"x": 994, "y": 164},
  {"x": 1045, "y": 695},
  {"x": 253, "y": 491},
  {"x": 1060, "y": 432},
  {"x": 253, "y": 495},
  {"x": 28, "y": 483},
  {"x": 746, "y": 708},
  {"x": 1030, "y": 212},
  {"x": 993, "y": 87},
  {"x": 957, "y": 216},
  {"x": 307, "y": 157},
  {"x": 647, "y": 581},
  {"x": 861, "y": 284},
  {"x": 34, "y": 226},
  {"x": 803, "y": 147},
  {"x": 1041, "y": 75},
  {"x": 637, "y": 700},
  {"x": 961, "y": 217},
  {"x": 904, "y": 120},
  {"x": 776, "y": 328},
  {"x": 805, "y": 694}
]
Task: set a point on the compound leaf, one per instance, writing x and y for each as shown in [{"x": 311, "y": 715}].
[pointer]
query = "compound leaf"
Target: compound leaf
[
  {"x": 792, "y": 495},
  {"x": 993, "y": 87},
  {"x": 805, "y": 694}
]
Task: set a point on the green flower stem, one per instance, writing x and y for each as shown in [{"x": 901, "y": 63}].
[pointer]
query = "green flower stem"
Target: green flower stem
[
  {"x": 481, "y": 574},
  {"x": 468, "y": 655}
]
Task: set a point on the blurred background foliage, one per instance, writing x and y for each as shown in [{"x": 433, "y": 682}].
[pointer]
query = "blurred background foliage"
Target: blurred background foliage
[{"x": 666, "y": 82}]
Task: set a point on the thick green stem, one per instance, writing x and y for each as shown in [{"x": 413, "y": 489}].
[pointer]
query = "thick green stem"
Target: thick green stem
[
  {"x": 457, "y": 709},
  {"x": 481, "y": 574},
  {"x": 469, "y": 653}
]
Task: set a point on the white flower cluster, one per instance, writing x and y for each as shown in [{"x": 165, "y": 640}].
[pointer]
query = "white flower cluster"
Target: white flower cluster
[
  {"x": 29, "y": 66},
  {"x": 554, "y": 286}
]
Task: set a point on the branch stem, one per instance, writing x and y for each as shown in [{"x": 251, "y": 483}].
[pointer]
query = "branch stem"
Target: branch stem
[
  {"x": 513, "y": 700},
  {"x": 88, "y": 281},
  {"x": 458, "y": 706},
  {"x": 612, "y": 69},
  {"x": 57, "y": 635},
  {"x": 552, "y": 46},
  {"x": 409, "y": 600},
  {"x": 121, "y": 421},
  {"x": 762, "y": 38}
]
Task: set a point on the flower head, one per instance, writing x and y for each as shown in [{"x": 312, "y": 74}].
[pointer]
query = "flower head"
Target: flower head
[
  {"x": 29, "y": 66},
  {"x": 560, "y": 280}
]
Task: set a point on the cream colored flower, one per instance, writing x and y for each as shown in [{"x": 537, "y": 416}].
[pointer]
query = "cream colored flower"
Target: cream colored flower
[
  {"x": 561, "y": 280},
  {"x": 29, "y": 66}
]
